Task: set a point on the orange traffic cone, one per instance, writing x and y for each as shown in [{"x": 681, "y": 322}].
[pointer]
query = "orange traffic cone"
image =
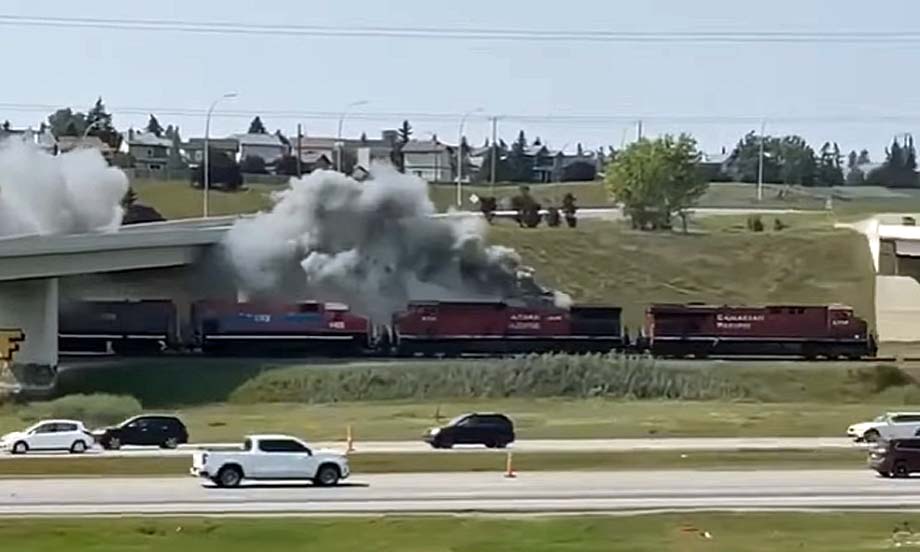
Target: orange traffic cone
[
  {"x": 509, "y": 468},
  {"x": 349, "y": 441}
]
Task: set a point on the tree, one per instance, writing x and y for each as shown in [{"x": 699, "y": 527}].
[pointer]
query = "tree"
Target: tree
[
  {"x": 176, "y": 162},
  {"x": 405, "y": 132},
  {"x": 99, "y": 123},
  {"x": 283, "y": 139},
  {"x": 900, "y": 167},
  {"x": 136, "y": 213},
  {"x": 579, "y": 171},
  {"x": 856, "y": 177},
  {"x": 852, "y": 160},
  {"x": 153, "y": 126},
  {"x": 6, "y": 125},
  {"x": 223, "y": 171},
  {"x": 744, "y": 162},
  {"x": 863, "y": 158},
  {"x": 656, "y": 179},
  {"x": 829, "y": 172},
  {"x": 64, "y": 122},
  {"x": 253, "y": 164},
  {"x": 286, "y": 165},
  {"x": 363, "y": 138},
  {"x": 256, "y": 126},
  {"x": 520, "y": 165}
]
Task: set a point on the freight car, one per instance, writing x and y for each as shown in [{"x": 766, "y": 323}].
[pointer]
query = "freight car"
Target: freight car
[
  {"x": 122, "y": 327},
  {"x": 452, "y": 328},
  {"x": 792, "y": 330},
  {"x": 279, "y": 328}
]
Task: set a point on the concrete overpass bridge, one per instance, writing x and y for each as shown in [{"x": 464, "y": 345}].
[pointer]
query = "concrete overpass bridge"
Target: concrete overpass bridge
[{"x": 34, "y": 269}]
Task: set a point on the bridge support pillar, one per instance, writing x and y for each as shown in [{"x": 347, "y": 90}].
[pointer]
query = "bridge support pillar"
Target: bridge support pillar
[{"x": 32, "y": 306}]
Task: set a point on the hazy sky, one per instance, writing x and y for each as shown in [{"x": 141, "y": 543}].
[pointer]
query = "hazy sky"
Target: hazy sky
[{"x": 175, "y": 70}]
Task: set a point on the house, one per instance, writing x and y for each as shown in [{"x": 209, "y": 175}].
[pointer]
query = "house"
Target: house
[
  {"x": 72, "y": 143},
  {"x": 313, "y": 161},
  {"x": 150, "y": 152},
  {"x": 268, "y": 147},
  {"x": 363, "y": 153},
  {"x": 41, "y": 138},
  {"x": 429, "y": 159},
  {"x": 194, "y": 149}
]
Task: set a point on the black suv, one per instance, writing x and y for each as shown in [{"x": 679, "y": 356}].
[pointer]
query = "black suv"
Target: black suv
[
  {"x": 895, "y": 458},
  {"x": 147, "y": 430},
  {"x": 491, "y": 430}
]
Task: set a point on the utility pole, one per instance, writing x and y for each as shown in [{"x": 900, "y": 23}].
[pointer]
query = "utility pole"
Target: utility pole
[
  {"x": 299, "y": 144},
  {"x": 639, "y": 130},
  {"x": 763, "y": 128},
  {"x": 494, "y": 154}
]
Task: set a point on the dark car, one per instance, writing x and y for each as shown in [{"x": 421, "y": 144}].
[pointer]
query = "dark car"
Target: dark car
[
  {"x": 491, "y": 430},
  {"x": 895, "y": 458},
  {"x": 147, "y": 430}
]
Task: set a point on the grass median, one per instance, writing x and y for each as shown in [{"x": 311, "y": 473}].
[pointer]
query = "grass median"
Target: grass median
[
  {"x": 462, "y": 461},
  {"x": 749, "y": 532}
]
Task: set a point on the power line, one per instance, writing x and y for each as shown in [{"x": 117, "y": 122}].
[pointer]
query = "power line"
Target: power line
[
  {"x": 461, "y": 33},
  {"x": 584, "y": 119}
]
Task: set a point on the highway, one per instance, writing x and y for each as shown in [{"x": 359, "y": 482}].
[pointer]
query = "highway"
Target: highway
[
  {"x": 469, "y": 492},
  {"x": 537, "y": 445}
]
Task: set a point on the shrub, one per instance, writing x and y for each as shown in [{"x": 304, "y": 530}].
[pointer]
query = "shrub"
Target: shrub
[
  {"x": 526, "y": 376},
  {"x": 93, "y": 410},
  {"x": 754, "y": 223},
  {"x": 885, "y": 376}
]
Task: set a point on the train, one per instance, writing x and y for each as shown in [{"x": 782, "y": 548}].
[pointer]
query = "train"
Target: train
[{"x": 453, "y": 328}]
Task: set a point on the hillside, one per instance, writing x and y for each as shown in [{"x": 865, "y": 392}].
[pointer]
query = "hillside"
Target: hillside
[{"x": 606, "y": 262}]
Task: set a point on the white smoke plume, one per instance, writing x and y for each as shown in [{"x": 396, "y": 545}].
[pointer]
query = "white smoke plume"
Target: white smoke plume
[
  {"x": 46, "y": 194},
  {"x": 373, "y": 245}
]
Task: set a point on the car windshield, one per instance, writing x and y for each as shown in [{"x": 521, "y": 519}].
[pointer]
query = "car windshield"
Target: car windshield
[
  {"x": 881, "y": 418},
  {"x": 457, "y": 420},
  {"x": 33, "y": 427}
]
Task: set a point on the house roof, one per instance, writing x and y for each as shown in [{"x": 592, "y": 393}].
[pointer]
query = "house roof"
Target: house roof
[
  {"x": 425, "y": 146},
  {"x": 313, "y": 157},
  {"x": 229, "y": 144},
  {"x": 148, "y": 139},
  {"x": 259, "y": 140},
  {"x": 68, "y": 143}
]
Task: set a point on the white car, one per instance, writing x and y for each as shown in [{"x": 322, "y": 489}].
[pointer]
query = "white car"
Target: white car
[
  {"x": 265, "y": 457},
  {"x": 891, "y": 425},
  {"x": 69, "y": 435}
]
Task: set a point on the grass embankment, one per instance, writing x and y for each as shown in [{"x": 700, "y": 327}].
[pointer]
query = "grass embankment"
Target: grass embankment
[
  {"x": 176, "y": 199},
  {"x": 465, "y": 461},
  {"x": 605, "y": 262},
  {"x": 749, "y": 532},
  {"x": 222, "y": 399}
]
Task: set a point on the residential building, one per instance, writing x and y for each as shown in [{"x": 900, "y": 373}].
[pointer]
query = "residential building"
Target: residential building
[
  {"x": 41, "y": 138},
  {"x": 429, "y": 159},
  {"x": 363, "y": 152},
  {"x": 72, "y": 143},
  {"x": 268, "y": 147},
  {"x": 313, "y": 161},
  {"x": 150, "y": 152},
  {"x": 194, "y": 149}
]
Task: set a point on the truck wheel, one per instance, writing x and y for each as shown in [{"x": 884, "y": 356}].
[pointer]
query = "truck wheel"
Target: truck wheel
[
  {"x": 229, "y": 476},
  {"x": 170, "y": 443},
  {"x": 900, "y": 469},
  {"x": 327, "y": 476}
]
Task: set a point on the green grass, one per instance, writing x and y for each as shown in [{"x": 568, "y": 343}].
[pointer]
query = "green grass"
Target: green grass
[
  {"x": 177, "y": 199},
  {"x": 466, "y": 461},
  {"x": 689, "y": 532},
  {"x": 607, "y": 263}
]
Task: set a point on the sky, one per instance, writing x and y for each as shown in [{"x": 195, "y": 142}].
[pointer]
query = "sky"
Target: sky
[{"x": 698, "y": 88}]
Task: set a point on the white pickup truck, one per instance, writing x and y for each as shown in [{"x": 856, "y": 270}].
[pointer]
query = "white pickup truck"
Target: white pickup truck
[{"x": 266, "y": 457}]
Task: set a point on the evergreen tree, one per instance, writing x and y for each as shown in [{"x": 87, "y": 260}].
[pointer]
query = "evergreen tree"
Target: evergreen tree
[
  {"x": 101, "y": 122},
  {"x": 256, "y": 126},
  {"x": 153, "y": 126},
  {"x": 863, "y": 158},
  {"x": 405, "y": 132},
  {"x": 852, "y": 160}
]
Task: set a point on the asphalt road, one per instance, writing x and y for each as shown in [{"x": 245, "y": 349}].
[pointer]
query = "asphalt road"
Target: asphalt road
[
  {"x": 546, "y": 445},
  {"x": 469, "y": 492}
]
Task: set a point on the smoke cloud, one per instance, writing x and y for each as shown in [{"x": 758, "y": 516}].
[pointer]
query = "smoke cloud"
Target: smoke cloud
[
  {"x": 46, "y": 194},
  {"x": 373, "y": 245}
]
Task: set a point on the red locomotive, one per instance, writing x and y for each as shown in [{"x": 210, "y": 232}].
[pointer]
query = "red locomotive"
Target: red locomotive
[
  {"x": 501, "y": 328},
  {"x": 789, "y": 330}
]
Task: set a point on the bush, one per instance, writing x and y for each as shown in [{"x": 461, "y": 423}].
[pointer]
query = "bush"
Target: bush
[
  {"x": 754, "y": 223},
  {"x": 886, "y": 376},
  {"x": 93, "y": 410},
  {"x": 526, "y": 376}
]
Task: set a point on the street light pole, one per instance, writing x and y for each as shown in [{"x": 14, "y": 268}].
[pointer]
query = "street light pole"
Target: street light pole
[
  {"x": 763, "y": 125},
  {"x": 207, "y": 135},
  {"x": 89, "y": 127},
  {"x": 338, "y": 135},
  {"x": 460, "y": 155}
]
